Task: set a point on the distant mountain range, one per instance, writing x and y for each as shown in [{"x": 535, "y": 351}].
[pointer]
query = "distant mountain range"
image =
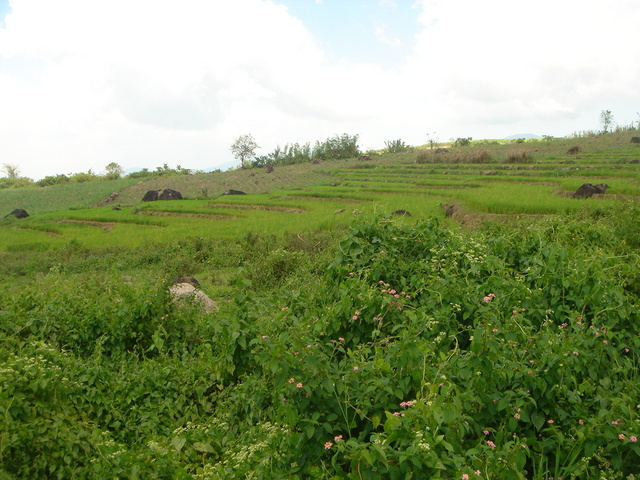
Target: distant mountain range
[{"x": 522, "y": 135}]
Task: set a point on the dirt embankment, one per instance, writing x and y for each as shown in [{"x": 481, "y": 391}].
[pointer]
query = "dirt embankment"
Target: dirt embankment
[
  {"x": 214, "y": 184},
  {"x": 257, "y": 207}
]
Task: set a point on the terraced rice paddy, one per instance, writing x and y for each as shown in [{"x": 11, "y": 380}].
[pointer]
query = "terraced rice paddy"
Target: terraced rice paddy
[{"x": 483, "y": 181}]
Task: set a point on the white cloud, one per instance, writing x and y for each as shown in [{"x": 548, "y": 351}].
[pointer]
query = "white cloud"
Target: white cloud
[
  {"x": 146, "y": 66},
  {"x": 542, "y": 60},
  {"x": 147, "y": 82},
  {"x": 381, "y": 32}
]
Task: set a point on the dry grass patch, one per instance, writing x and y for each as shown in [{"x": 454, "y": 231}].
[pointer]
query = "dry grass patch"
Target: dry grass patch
[
  {"x": 51, "y": 234},
  {"x": 187, "y": 215},
  {"x": 322, "y": 199},
  {"x": 106, "y": 226},
  {"x": 471, "y": 219},
  {"x": 256, "y": 207}
]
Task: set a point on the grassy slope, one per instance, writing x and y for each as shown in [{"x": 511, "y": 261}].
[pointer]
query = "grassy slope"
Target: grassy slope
[
  {"x": 141, "y": 402},
  {"x": 417, "y": 180}
]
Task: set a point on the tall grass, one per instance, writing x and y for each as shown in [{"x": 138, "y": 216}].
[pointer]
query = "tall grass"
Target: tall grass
[{"x": 36, "y": 200}]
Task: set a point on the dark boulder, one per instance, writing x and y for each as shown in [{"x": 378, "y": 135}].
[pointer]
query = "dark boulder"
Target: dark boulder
[
  {"x": 150, "y": 196},
  {"x": 587, "y": 190},
  {"x": 234, "y": 192},
  {"x": 166, "y": 194},
  {"x": 449, "y": 210},
  {"x": 574, "y": 150},
  {"x": 601, "y": 187},
  {"x": 635, "y": 139},
  {"x": 401, "y": 213},
  {"x": 18, "y": 213}
]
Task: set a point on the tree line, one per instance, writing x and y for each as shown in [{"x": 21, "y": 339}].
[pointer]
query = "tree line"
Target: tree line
[
  {"x": 113, "y": 171},
  {"x": 337, "y": 147}
]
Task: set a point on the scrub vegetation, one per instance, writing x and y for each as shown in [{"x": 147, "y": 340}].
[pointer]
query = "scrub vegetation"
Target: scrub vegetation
[{"x": 498, "y": 342}]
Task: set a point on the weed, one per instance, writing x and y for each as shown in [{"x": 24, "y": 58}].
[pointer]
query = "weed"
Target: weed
[{"x": 519, "y": 156}]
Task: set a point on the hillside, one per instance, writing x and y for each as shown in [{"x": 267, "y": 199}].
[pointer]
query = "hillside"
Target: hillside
[
  {"x": 546, "y": 156},
  {"x": 418, "y": 314}
]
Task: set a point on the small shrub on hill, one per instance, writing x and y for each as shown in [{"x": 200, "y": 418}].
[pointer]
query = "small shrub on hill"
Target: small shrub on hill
[
  {"x": 18, "y": 182},
  {"x": 395, "y": 146},
  {"x": 454, "y": 157},
  {"x": 83, "y": 177},
  {"x": 53, "y": 180},
  {"x": 424, "y": 156},
  {"x": 519, "y": 156},
  {"x": 338, "y": 147},
  {"x": 462, "y": 141}
]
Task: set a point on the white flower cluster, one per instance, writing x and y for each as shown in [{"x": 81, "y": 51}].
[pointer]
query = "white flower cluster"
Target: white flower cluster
[{"x": 242, "y": 457}]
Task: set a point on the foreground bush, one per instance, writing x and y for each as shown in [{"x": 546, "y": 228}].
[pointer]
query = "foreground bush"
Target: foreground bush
[{"x": 420, "y": 353}]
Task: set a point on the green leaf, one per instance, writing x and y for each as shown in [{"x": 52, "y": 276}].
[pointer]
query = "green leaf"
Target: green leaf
[
  {"x": 380, "y": 451},
  {"x": 392, "y": 423},
  {"x": 178, "y": 442},
  {"x": 476, "y": 344},
  {"x": 367, "y": 456},
  {"x": 375, "y": 420},
  {"x": 521, "y": 459},
  {"x": 309, "y": 430},
  {"x": 503, "y": 403},
  {"x": 450, "y": 415},
  {"x": 203, "y": 447},
  {"x": 537, "y": 419}
]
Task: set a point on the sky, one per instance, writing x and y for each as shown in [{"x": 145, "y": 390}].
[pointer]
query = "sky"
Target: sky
[{"x": 143, "y": 83}]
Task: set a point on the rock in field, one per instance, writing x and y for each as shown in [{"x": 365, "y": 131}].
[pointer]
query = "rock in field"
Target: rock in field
[
  {"x": 234, "y": 192},
  {"x": 18, "y": 213},
  {"x": 189, "y": 291},
  {"x": 165, "y": 194},
  {"x": 587, "y": 190}
]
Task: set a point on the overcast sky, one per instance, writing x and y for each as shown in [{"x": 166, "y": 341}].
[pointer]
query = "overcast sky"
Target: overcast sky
[{"x": 84, "y": 83}]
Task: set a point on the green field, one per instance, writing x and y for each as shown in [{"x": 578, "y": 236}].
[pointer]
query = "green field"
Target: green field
[
  {"x": 306, "y": 197},
  {"x": 500, "y": 342}
]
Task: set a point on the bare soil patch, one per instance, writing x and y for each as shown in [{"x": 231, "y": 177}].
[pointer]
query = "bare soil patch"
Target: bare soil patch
[
  {"x": 323, "y": 199},
  {"x": 186, "y": 215},
  {"x": 257, "y": 207},
  {"x": 107, "y": 226},
  {"x": 476, "y": 219},
  {"x": 51, "y": 234}
]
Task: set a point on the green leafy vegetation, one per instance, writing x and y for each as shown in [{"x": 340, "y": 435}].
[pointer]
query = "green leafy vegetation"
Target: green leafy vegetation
[{"x": 348, "y": 343}]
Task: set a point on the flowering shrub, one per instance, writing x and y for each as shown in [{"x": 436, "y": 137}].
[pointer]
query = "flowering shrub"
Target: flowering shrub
[
  {"x": 420, "y": 352},
  {"x": 502, "y": 357}
]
